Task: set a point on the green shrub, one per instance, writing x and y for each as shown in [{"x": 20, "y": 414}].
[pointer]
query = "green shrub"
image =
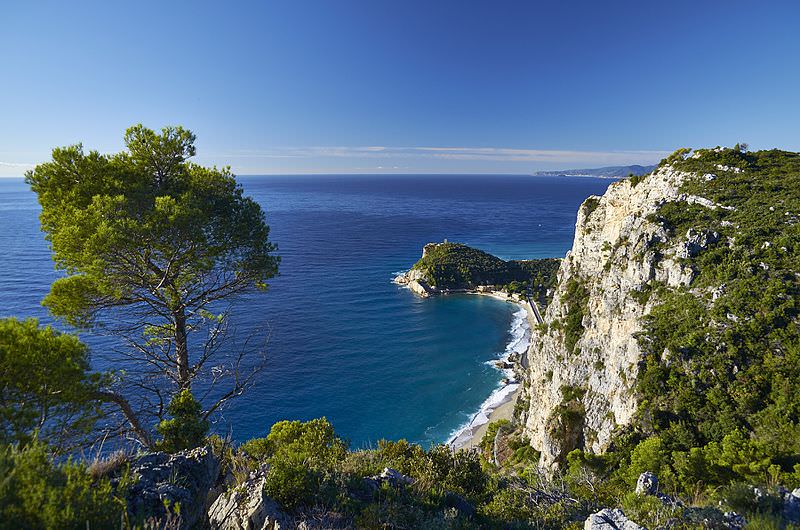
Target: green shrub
[
  {"x": 302, "y": 458},
  {"x": 523, "y": 453},
  {"x": 635, "y": 179},
  {"x": 510, "y": 505},
  {"x": 650, "y": 511},
  {"x": 46, "y": 388},
  {"x": 590, "y": 205},
  {"x": 401, "y": 455},
  {"x": 35, "y": 492},
  {"x": 576, "y": 299},
  {"x": 763, "y": 521},
  {"x": 487, "y": 442},
  {"x": 459, "y": 472},
  {"x": 649, "y": 455},
  {"x": 743, "y": 498},
  {"x": 187, "y": 428}
]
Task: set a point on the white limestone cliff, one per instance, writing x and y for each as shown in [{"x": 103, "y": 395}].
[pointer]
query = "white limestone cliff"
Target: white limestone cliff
[{"x": 615, "y": 259}]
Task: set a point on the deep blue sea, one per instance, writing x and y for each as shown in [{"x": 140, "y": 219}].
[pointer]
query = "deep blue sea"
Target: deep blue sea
[{"x": 344, "y": 341}]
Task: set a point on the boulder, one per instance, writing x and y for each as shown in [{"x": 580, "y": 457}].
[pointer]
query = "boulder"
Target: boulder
[
  {"x": 734, "y": 521},
  {"x": 393, "y": 477},
  {"x": 247, "y": 507},
  {"x": 459, "y": 503},
  {"x": 791, "y": 506},
  {"x": 697, "y": 242},
  {"x": 504, "y": 365},
  {"x": 420, "y": 287},
  {"x": 608, "y": 519},
  {"x": 372, "y": 484},
  {"x": 164, "y": 480},
  {"x": 647, "y": 484}
]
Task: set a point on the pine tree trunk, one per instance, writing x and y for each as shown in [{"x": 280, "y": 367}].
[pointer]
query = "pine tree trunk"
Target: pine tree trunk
[{"x": 181, "y": 349}]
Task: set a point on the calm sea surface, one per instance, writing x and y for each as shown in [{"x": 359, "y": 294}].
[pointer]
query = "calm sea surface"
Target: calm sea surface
[{"x": 345, "y": 342}]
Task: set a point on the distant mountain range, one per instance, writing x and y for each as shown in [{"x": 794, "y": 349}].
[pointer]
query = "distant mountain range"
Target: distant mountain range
[{"x": 610, "y": 172}]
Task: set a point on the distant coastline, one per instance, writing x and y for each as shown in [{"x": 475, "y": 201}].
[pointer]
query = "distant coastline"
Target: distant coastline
[{"x": 609, "y": 172}]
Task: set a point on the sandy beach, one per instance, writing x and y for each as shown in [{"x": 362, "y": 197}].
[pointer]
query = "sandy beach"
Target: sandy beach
[
  {"x": 501, "y": 404},
  {"x": 504, "y": 412}
]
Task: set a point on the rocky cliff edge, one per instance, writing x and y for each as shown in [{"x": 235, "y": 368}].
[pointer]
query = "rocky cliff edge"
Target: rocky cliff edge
[{"x": 582, "y": 362}]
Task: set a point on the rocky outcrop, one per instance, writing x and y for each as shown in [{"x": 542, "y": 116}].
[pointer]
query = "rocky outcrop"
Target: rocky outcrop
[
  {"x": 674, "y": 512},
  {"x": 619, "y": 254},
  {"x": 247, "y": 507},
  {"x": 608, "y": 519},
  {"x": 393, "y": 477},
  {"x": 791, "y": 506},
  {"x": 415, "y": 280},
  {"x": 165, "y": 481},
  {"x": 647, "y": 484},
  {"x": 456, "y": 268}
]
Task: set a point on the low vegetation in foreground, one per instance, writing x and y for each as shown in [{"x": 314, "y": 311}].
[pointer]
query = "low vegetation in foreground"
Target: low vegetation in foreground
[{"x": 313, "y": 476}]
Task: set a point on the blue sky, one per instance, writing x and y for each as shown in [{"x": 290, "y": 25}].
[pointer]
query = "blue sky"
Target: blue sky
[{"x": 339, "y": 86}]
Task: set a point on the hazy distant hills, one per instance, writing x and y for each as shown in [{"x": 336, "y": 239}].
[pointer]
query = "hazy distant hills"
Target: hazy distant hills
[{"x": 609, "y": 172}]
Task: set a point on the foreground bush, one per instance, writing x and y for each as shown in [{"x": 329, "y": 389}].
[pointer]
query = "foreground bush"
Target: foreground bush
[
  {"x": 308, "y": 468},
  {"x": 46, "y": 387},
  {"x": 301, "y": 459},
  {"x": 35, "y": 492}
]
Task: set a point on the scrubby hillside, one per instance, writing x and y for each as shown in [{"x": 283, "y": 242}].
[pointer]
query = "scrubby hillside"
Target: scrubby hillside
[
  {"x": 457, "y": 266},
  {"x": 673, "y": 335},
  {"x": 454, "y": 266}
]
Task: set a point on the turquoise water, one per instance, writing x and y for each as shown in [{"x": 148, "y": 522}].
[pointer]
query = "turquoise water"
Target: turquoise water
[{"x": 343, "y": 341}]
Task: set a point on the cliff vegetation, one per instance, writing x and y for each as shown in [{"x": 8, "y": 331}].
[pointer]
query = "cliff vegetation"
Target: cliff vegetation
[
  {"x": 676, "y": 313},
  {"x": 454, "y": 266}
]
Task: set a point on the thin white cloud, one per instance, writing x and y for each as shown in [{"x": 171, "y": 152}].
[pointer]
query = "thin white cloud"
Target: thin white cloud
[
  {"x": 495, "y": 154},
  {"x": 15, "y": 164},
  {"x": 409, "y": 158},
  {"x": 14, "y": 169}
]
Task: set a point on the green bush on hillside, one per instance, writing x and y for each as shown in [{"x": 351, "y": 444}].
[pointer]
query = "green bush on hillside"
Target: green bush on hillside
[
  {"x": 36, "y": 492},
  {"x": 187, "y": 428},
  {"x": 457, "y": 266},
  {"x": 46, "y": 388},
  {"x": 301, "y": 459}
]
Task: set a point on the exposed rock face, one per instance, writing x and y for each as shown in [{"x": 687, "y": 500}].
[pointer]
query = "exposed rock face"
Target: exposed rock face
[
  {"x": 608, "y": 519},
  {"x": 791, "y": 506},
  {"x": 415, "y": 281},
  {"x": 613, "y": 263},
  {"x": 647, "y": 484},
  {"x": 393, "y": 477},
  {"x": 247, "y": 507},
  {"x": 185, "y": 478}
]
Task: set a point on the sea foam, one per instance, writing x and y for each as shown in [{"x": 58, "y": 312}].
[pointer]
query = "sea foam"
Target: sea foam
[{"x": 520, "y": 339}]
